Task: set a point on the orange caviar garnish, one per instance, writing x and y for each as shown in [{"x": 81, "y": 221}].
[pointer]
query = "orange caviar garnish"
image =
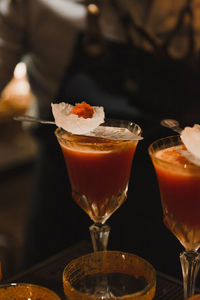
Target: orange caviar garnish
[{"x": 83, "y": 110}]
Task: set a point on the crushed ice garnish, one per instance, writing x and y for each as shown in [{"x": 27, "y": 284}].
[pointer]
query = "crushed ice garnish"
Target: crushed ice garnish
[
  {"x": 114, "y": 133},
  {"x": 190, "y": 157},
  {"x": 190, "y": 137},
  {"x": 77, "y": 120}
]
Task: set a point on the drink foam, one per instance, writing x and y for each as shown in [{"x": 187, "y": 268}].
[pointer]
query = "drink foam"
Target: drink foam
[
  {"x": 172, "y": 155},
  {"x": 95, "y": 143},
  {"x": 176, "y": 161}
]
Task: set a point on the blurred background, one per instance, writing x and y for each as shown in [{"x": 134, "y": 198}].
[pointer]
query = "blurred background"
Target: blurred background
[{"x": 17, "y": 154}]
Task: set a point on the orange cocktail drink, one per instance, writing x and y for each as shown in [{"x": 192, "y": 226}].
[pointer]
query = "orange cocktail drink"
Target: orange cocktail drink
[
  {"x": 179, "y": 183},
  {"x": 98, "y": 153},
  {"x": 99, "y": 171},
  {"x": 99, "y": 165}
]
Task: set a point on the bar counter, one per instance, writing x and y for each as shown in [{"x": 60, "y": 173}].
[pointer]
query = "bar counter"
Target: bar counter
[{"x": 49, "y": 273}]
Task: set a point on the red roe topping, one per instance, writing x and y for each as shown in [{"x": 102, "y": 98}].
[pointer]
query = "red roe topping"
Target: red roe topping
[{"x": 83, "y": 110}]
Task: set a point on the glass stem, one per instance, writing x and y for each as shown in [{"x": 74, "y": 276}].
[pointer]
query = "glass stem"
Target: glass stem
[
  {"x": 190, "y": 262},
  {"x": 99, "y": 234}
]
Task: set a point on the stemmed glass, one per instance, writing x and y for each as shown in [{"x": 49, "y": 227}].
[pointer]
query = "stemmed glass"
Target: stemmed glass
[
  {"x": 99, "y": 171},
  {"x": 179, "y": 183}
]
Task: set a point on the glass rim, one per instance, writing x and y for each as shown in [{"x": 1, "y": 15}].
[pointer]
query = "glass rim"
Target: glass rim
[
  {"x": 151, "y": 283},
  {"x": 59, "y": 131},
  {"x": 162, "y": 139},
  {"x": 33, "y": 285},
  {"x": 177, "y": 141}
]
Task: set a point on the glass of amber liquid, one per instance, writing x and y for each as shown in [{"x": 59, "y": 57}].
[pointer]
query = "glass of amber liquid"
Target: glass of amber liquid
[
  {"x": 179, "y": 183},
  {"x": 26, "y": 291},
  {"x": 129, "y": 276},
  {"x": 99, "y": 171}
]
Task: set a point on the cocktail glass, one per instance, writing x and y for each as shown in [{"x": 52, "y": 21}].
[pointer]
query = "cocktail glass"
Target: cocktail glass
[
  {"x": 130, "y": 277},
  {"x": 179, "y": 184},
  {"x": 99, "y": 171},
  {"x": 26, "y": 291}
]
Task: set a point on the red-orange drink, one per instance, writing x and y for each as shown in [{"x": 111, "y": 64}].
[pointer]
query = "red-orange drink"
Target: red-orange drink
[
  {"x": 99, "y": 171},
  {"x": 179, "y": 183}
]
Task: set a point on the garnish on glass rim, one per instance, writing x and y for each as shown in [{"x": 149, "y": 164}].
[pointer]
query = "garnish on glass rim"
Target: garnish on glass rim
[
  {"x": 85, "y": 119},
  {"x": 190, "y": 137},
  {"x": 83, "y": 110},
  {"x": 78, "y": 119}
]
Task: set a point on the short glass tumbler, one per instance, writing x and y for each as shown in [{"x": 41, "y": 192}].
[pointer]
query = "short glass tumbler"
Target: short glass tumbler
[
  {"x": 127, "y": 276},
  {"x": 26, "y": 291}
]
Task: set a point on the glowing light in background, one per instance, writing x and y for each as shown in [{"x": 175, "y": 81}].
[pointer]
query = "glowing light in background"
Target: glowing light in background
[{"x": 16, "y": 97}]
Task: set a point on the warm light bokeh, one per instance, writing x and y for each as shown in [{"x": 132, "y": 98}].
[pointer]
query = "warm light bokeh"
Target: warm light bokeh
[{"x": 16, "y": 97}]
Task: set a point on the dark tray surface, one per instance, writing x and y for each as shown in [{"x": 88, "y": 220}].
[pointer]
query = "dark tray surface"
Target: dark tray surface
[{"x": 49, "y": 274}]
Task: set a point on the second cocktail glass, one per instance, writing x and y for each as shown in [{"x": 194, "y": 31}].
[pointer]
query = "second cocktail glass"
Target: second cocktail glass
[
  {"x": 179, "y": 183},
  {"x": 99, "y": 171}
]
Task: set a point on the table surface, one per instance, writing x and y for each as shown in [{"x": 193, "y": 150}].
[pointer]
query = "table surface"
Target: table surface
[{"x": 49, "y": 274}]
